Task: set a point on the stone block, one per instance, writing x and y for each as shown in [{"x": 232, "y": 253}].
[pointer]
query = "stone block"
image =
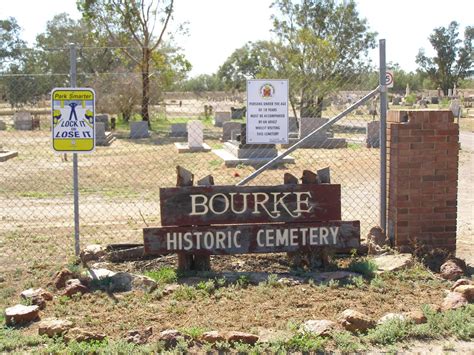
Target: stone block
[
  {"x": 103, "y": 118},
  {"x": 139, "y": 130},
  {"x": 228, "y": 128},
  {"x": 220, "y": 117},
  {"x": 23, "y": 121},
  {"x": 372, "y": 137},
  {"x": 179, "y": 130}
]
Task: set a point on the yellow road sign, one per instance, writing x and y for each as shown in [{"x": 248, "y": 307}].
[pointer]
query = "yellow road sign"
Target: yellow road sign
[{"x": 73, "y": 120}]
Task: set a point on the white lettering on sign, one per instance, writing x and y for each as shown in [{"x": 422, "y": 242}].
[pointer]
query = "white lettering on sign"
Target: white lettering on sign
[
  {"x": 296, "y": 236},
  {"x": 270, "y": 204}
]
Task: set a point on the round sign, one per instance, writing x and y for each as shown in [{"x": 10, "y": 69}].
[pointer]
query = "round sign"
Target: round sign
[{"x": 389, "y": 79}]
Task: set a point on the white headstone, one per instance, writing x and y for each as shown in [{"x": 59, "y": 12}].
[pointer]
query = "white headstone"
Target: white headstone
[
  {"x": 450, "y": 92},
  {"x": 220, "y": 117},
  {"x": 455, "y": 107},
  {"x": 195, "y": 134}
]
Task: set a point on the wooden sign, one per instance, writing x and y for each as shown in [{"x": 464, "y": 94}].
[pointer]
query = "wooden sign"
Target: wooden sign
[
  {"x": 255, "y": 238},
  {"x": 207, "y": 205}
]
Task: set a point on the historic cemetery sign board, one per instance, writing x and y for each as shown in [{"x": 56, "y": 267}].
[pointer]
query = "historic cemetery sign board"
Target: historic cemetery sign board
[
  {"x": 72, "y": 114},
  {"x": 212, "y": 220},
  {"x": 267, "y": 111}
]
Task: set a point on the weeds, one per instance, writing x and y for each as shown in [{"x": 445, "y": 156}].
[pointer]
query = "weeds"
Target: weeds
[
  {"x": 366, "y": 267},
  {"x": 164, "y": 275}
]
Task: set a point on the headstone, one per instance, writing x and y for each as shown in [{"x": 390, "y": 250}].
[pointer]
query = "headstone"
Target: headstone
[
  {"x": 396, "y": 100},
  {"x": 102, "y": 137},
  {"x": 228, "y": 128},
  {"x": 324, "y": 139},
  {"x": 237, "y": 113},
  {"x": 220, "y": 117},
  {"x": 178, "y": 130},
  {"x": 103, "y": 118},
  {"x": 23, "y": 121},
  {"x": 195, "y": 134},
  {"x": 292, "y": 124},
  {"x": 139, "y": 130},
  {"x": 195, "y": 139},
  {"x": 373, "y": 134},
  {"x": 434, "y": 100},
  {"x": 237, "y": 151},
  {"x": 455, "y": 107},
  {"x": 3, "y": 126},
  {"x": 407, "y": 90},
  {"x": 450, "y": 92}
]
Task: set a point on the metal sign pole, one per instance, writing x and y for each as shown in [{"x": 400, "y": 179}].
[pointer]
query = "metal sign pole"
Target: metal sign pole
[
  {"x": 383, "y": 136},
  {"x": 75, "y": 168}
]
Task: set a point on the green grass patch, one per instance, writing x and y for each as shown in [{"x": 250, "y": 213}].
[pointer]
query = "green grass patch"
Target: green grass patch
[
  {"x": 364, "y": 266},
  {"x": 164, "y": 275}
]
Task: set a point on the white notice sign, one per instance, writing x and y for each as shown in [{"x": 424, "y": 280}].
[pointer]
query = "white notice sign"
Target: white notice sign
[{"x": 267, "y": 111}]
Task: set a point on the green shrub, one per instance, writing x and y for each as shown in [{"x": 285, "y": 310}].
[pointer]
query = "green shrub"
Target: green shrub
[
  {"x": 164, "y": 275},
  {"x": 366, "y": 267}
]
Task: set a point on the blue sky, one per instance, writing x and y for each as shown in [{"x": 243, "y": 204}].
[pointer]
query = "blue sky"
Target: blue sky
[{"x": 217, "y": 27}]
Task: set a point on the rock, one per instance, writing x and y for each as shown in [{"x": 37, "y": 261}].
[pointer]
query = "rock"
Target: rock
[
  {"x": 145, "y": 283},
  {"x": 75, "y": 287},
  {"x": 171, "y": 337},
  {"x": 318, "y": 327},
  {"x": 93, "y": 252},
  {"x": 452, "y": 269},
  {"x": 169, "y": 289},
  {"x": 79, "y": 334},
  {"x": 213, "y": 337},
  {"x": 354, "y": 321},
  {"x": 240, "y": 337},
  {"x": 453, "y": 300},
  {"x": 31, "y": 292},
  {"x": 390, "y": 316},
  {"x": 54, "y": 327},
  {"x": 139, "y": 336},
  {"x": 377, "y": 241},
  {"x": 119, "y": 281},
  {"x": 461, "y": 282},
  {"x": 61, "y": 278},
  {"x": 467, "y": 291},
  {"x": 396, "y": 262},
  {"x": 20, "y": 314},
  {"x": 416, "y": 317},
  {"x": 37, "y": 296}
]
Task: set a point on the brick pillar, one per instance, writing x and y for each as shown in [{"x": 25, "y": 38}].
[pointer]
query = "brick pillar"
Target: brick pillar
[{"x": 422, "y": 172}]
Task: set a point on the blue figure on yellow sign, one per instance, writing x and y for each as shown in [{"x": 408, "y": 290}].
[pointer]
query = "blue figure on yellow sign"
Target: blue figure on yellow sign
[{"x": 73, "y": 105}]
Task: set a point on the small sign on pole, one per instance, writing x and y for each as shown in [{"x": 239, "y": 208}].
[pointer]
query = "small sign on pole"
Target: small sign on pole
[
  {"x": 267, "y": 111},
  {"x": 389, "y": 79},
  {"x": 73, "y": 120}
]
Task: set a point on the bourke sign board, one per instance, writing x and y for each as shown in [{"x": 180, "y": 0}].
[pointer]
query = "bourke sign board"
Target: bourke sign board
[{"x": 213, "y": 220}]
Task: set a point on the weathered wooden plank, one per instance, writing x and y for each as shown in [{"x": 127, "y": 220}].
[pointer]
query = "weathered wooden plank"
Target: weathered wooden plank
[
  {"x": 207, "y": 205},
  {"x": 251, "y": 238}
]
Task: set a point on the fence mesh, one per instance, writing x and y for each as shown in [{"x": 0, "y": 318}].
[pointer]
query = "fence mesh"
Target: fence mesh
[{"x": 119, "y": 183}]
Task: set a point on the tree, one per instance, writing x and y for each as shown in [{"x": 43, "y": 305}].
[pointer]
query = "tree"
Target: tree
[
  {"x": 132, "y": 21},
  {"x": 11, "y": 45},
  {"x": 320, "y": 45},
  {"x": 453, "y": 61}
]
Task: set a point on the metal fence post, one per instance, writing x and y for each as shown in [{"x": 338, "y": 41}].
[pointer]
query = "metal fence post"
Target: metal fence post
[
  {"x": 75, "y": 169},
  {"x": 383, "y": 136}
]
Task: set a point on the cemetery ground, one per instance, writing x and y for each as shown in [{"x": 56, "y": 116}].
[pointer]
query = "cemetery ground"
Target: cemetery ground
[{"x": 263, "y": 295}]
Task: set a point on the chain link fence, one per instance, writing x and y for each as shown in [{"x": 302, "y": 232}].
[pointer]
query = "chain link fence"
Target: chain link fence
[{"x": 200, "y": 131}]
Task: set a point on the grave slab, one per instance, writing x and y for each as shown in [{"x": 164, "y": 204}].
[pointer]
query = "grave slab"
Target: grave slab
[
  {"x": 139, "y": 130},
  {"x": 23, "y": 121},
  {"x": 228, "y": 128},
  {"x": 179, "y": 130},
  {"x": 372, "y": 137},
  {"x": 103, "y": 118},
  {"x": 102, "y": 137},
  {"x": 220, "y": 117},
  {"x": 7, "y": 154}
]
